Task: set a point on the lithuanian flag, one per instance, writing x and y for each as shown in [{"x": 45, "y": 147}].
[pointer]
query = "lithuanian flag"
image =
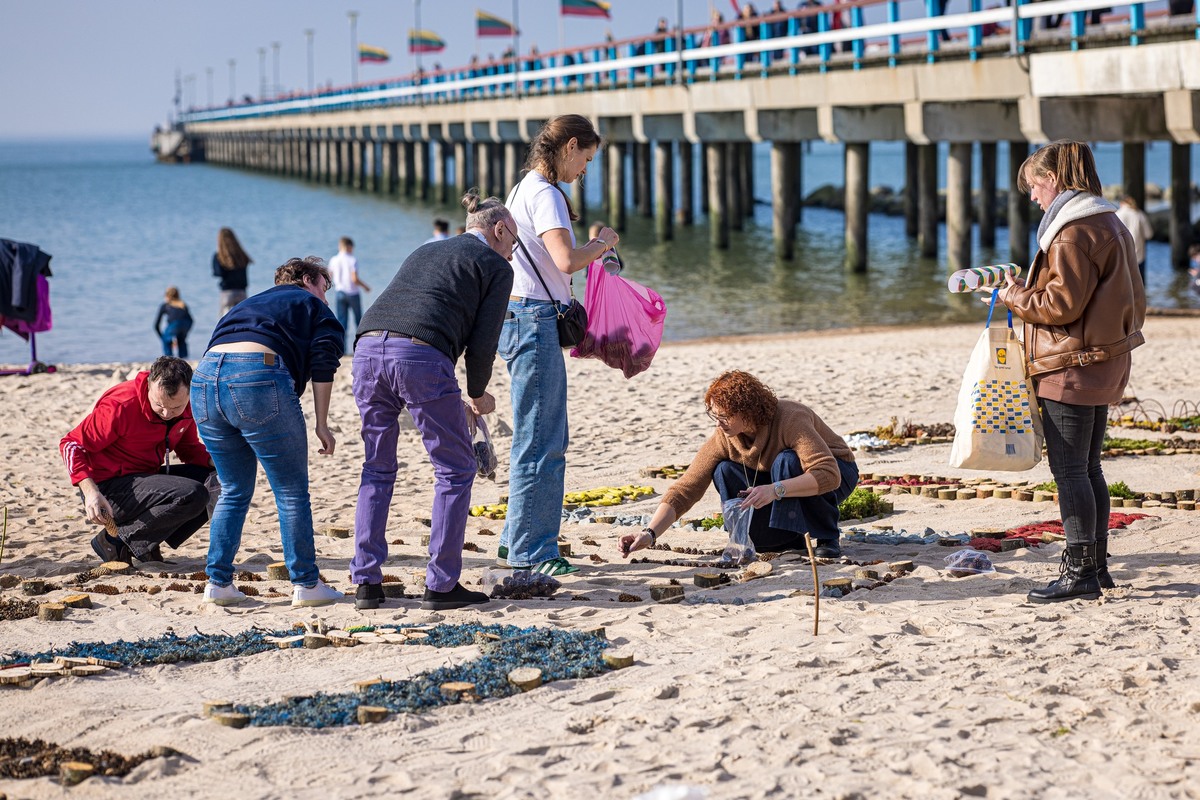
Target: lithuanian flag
[
  {"x": 490, "y": 25},
  {"x": 372, "y": 55},
  {"x": 425, "y": 42},
  {"x": 586, "y": 8}
]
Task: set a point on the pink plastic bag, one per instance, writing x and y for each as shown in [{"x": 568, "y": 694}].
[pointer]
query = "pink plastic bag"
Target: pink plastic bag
[{"x": 625, "y": 322}]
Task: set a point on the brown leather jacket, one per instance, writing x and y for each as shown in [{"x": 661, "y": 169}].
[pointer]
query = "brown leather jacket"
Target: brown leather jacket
[{"x": 1083, "y": 306}]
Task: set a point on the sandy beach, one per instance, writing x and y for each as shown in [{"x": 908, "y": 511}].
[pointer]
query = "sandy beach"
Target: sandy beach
[{"x": 931, "y": 686}]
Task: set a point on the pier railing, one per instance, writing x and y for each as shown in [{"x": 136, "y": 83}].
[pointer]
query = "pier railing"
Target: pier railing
[{"x": 795, "y": 41}]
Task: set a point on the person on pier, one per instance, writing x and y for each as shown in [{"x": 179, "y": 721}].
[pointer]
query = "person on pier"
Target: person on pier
[
  {"x": 543, "y": 263},
  {"x": 778, "y": 456}
]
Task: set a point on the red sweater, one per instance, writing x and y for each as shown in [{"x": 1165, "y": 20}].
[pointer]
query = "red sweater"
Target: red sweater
[{"x": 123, "y": 436}]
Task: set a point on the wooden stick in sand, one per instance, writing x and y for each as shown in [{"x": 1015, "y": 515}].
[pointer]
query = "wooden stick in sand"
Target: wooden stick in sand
[
  {"x": 812, "y": 559},
  {"x": 4, "y": 535}
]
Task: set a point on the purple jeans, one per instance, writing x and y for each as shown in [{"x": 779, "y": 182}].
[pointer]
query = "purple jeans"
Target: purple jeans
[{"x": 390, "y": 374}]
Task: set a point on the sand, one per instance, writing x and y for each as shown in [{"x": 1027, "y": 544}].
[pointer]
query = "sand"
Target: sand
[{"x": 929, "y": 687}]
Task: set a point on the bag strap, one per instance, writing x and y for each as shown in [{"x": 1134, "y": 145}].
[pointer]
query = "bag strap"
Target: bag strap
[
  {"x": 992, "y": 307},
  {"x": 532, "y": 263}
]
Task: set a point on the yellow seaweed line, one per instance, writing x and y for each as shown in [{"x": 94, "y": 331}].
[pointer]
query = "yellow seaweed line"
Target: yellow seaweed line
[{"x": 594, "y": 498}]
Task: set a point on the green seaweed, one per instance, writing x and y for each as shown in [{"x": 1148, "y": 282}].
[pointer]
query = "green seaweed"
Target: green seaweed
[
  {"x": 863, "y": 503},
  {"x": 1120, "y": 489}
]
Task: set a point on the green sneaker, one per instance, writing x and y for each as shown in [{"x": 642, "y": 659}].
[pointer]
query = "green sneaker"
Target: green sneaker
[
  {"x": 502, "y": 555},
  {"x": 555, "y": 567}
]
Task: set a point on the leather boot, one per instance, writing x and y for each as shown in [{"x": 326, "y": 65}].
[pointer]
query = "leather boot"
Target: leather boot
[
  {"x": 1077, "y": 579},
  {"x": 1105, "y": 580}
]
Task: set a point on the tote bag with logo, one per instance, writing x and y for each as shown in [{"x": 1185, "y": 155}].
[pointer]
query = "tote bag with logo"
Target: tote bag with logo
[{"x": 997, "y": 426}]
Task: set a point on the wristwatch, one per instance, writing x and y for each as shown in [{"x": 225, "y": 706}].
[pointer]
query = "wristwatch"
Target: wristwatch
[{"x": 779, "y": 490}]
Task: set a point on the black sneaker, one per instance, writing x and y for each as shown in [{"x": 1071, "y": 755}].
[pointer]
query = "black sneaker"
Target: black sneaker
[
  {"x": 458, "y": 597},
  {"x": 369, "y": 595},
  {"x": 827, "y": 548},
  {"x": 110, "y": 549}
]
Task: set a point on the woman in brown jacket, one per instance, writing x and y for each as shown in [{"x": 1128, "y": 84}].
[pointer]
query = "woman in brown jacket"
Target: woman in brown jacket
[
  {"x": 1083, "y": 305},
  {"x": 778, "y": 456}
]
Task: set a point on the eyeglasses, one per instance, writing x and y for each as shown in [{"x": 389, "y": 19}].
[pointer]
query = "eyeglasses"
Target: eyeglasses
[{"x": 720, "y": 419}]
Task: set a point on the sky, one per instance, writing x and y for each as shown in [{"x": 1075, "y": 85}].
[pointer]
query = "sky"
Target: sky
[{"x": 87, "y": 69}]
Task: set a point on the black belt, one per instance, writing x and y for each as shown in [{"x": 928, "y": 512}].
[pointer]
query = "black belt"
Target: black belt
[{"x": 394, "y": 335}]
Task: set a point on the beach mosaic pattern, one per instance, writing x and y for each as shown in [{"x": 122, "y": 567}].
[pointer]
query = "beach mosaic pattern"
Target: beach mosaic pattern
[{"x": 1001, "y": 407}]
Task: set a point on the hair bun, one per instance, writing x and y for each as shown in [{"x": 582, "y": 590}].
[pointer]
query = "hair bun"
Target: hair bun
[{"x": 471, "y": 200}]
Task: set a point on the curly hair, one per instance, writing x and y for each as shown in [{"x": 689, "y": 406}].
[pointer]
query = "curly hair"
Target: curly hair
[
  {"x": 297, "y": 270},
  {"x": 741, "y": 394}
]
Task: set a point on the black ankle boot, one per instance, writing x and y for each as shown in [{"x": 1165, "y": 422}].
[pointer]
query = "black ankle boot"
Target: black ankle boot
[
  {"x": 1102, "y": 577},
  {"x": 1077, "y": 579}
]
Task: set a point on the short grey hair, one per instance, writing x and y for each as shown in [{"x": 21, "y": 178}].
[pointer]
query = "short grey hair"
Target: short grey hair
[{"x": 483, "y": 213}]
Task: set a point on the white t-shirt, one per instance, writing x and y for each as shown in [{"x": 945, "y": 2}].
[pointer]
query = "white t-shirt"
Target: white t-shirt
[
  {"x": 342, "y": 267},
  {"x": 538, "y": 206},
  {"x": 1139, "y": 225}
]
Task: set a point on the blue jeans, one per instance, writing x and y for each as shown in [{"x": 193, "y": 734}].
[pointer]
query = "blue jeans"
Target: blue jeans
[
  {"x": 538, "y": 463},
  {"x": 343, "y": 305},
  {"x": 1074, "y": 439},
  {"x": 176, "y": 333},
  {"x": 247, "y": 413},
  {"x": 391, "y": 374},
  {"x": 782, "y": 524}
]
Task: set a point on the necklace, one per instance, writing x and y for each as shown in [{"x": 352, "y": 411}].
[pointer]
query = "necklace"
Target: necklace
[{"x": 745, "y": 475}]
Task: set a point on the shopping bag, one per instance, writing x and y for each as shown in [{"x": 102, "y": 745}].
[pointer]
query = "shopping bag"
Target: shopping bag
[
  {"x": 997, "y": 426},
  {"x": 625, "y": 322}
]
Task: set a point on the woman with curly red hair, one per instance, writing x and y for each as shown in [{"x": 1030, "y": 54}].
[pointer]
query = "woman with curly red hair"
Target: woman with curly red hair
[{"x": 777, "y": 455}]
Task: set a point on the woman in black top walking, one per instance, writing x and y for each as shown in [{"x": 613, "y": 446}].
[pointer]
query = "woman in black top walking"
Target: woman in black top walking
[{"x": 229, "y": 264}]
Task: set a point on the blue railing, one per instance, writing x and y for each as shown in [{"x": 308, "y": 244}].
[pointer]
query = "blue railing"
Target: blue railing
[{"x": 791, "y": 42}]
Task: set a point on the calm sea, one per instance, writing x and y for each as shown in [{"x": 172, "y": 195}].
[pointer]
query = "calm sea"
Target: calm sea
[{"x": 121, "y": 228}]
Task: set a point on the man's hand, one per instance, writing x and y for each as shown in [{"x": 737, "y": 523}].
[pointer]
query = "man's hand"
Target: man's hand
[
  {"x": 484, "y": 404},
  {"x": 96, "y": 505},
  {"x": 327, "y": 440}
]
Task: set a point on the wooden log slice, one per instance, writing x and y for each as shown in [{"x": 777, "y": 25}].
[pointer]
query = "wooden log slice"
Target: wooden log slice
[
  {"x": 277, "y": 572},
  {"x": 901, "y": 567},
  {"x": 211, "y": 707},
  {"x": 757, "y": 569},
  {"x": 525, "y": 678},
  {"x": 104, "y": 662},
  {"x": 707, "y": 580},
  {"x": 51, "y": 612},
  {"x": 866, "y": 574},
  {"x": 33, "y": 586},
  {"x": 114, "y": 568},
  {"x": 371, "y": 714},
  {"x": 15, "y": 676},
  {"x": 453, "y": 689},
  {"x": 365, "y": 685},
  {"x": 341, "y": 639},
  {"x": 394, "y": 590},
  {"x": 844, "y": 584},
  {"x": 231, "y": 719},
  {"x": 71, "y": 773},
  {"x": 315, "y": 641},
  {"x": 617, "y": 660},
  {"x": 88, "y": 670},
  {"x": 669, "y": 593},
  {"x": 77, "y": 601}
]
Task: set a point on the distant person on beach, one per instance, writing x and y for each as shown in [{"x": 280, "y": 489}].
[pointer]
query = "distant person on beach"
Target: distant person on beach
[
  {"x": 1083, "y": 304},
  {"x": 246, "y": 398},
  {"x": 343, "y": 267},
  {"x": 1139, "y": 225},
  {"x": 179, "y": 322},
  {"x": 545, "y": 259},
  {"x": 441, "y": 231},
  {"x": 119, "y": 458},
  {"x": 778, "y": 456},
  {"x": 445, "y": 301},
  {"x": 229, "y": 264}
]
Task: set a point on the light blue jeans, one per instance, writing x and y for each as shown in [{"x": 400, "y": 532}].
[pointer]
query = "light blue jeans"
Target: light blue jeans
[
  {"x": 538, "y": 463},
  {"x": 247, "y": 413}
]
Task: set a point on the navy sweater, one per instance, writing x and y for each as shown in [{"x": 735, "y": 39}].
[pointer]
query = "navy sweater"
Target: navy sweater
[
  {"x": 452, "y": 294},
  {"x": 296, "y": 325}
]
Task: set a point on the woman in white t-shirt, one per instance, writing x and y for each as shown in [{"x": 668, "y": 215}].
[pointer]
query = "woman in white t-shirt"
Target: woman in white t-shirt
[{"x": 529, "y": 344}]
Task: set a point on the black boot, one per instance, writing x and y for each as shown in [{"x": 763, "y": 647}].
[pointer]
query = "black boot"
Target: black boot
[
  {"x": 1077, "y": 578},
  {"x": 1105, "y": 580}
]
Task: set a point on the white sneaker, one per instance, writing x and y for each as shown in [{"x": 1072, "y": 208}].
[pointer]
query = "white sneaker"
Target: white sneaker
[
  {"x": 318, "y": 595},
  {"x": 223, "y": 595}
]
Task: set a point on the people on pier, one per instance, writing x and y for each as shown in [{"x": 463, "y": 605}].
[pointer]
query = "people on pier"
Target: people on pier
[
  {"x": 229, "y": 265},
  {"x": 446, "y": 300},
  {"x": 246, "y": 398},
  {"x": 119, "y": 458},
  {"x": 179, "y": 322},
  {"x": 529, "y": 343},
  {"x": 1083, "y": 304},
  {"x": 779, "y": 456},
  {"x": 347, "y": 285}
]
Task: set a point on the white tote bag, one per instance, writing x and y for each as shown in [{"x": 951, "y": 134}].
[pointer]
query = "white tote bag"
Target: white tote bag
[{"x": 996, "y": 424}]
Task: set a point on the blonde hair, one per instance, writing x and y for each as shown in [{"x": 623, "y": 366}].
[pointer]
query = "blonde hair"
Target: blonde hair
[
  {"x": 172, "y": 293},
  {"x": 1072, "y": 164}
]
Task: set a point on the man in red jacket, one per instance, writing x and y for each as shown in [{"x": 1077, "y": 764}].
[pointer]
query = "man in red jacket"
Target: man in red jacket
[{"x": 119, "y": 458}]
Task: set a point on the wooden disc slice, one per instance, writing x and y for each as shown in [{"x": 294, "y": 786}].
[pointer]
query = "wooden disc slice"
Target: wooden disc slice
[
  {"x": 73, "y": 772},
  {"x": 368, "y": 714},
  {"x": 231, "y": 719},
  {"x": 525, "y": 678},
  {"x": 212, "y": 707},
  {"x": 617, "y": 660},
  {"x": 77, "y": 601},
  {"x": 51, "y": 612},
  {"x": 277, "y": 571}
]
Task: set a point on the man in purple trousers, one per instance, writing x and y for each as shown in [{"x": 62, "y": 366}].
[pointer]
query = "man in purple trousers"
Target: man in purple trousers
[{"x": 447, "y": 299}]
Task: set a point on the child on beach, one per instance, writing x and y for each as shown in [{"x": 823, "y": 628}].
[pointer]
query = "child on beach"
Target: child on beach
[{"x": 179, "y": 322}]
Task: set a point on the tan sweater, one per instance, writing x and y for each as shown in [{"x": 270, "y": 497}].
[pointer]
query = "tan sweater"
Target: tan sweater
[{"x": 795, "y": 427}]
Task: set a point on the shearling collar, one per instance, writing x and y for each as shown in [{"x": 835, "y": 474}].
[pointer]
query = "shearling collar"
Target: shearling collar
[{"x": 1080, "y": 206}]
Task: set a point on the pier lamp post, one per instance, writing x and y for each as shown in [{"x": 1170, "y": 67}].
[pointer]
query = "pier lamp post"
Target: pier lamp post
[
  {"x": 275, "y": 69},
  {"x": 232, "y": 81},
  {"x": 353, "y": 15},
  {"x": 308, "y": 34},
  {"x": 262, "y": 74},
  {"x": 208, "y": 75}
]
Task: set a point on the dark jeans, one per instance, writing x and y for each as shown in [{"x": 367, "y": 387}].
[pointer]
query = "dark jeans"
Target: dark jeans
[
  {"x": 159, "y": 507},
  {"x": 782, "y": 524},
  {"x": 1074, "y": 438}
]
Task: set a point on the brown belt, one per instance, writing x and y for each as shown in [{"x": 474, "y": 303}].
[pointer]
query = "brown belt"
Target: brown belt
[{"x": 394, "y": 335}]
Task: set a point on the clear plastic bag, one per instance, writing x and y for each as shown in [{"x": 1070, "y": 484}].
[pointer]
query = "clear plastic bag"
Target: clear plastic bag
[
  {"x": 739, "y": 549},
  {"x": 969, "y": 562},
  {"x": 625, "y": 322},
  {"x": 485, "y": 454}
]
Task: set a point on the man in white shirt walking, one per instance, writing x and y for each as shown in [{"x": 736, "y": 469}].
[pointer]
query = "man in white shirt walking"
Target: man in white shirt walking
[
  {"x": 346, "y": 283},
  {"x": 1139, "y": 225}
]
